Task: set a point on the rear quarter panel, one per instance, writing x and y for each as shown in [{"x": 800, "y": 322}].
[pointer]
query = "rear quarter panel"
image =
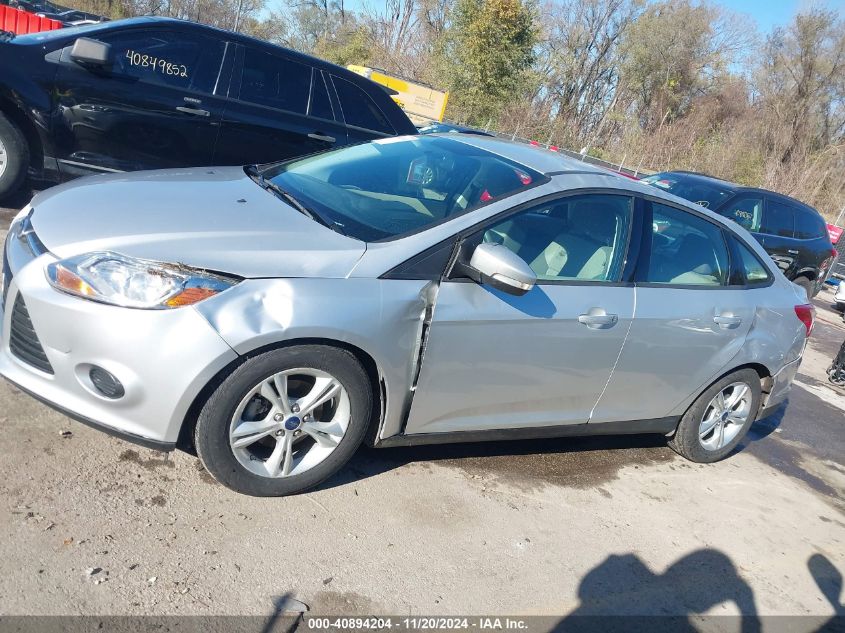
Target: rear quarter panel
[{"x": 776, "y": 337}]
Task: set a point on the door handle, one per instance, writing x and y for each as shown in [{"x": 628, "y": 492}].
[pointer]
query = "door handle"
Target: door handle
[
  {"x": 596, "y": 319},
  {"x": 792, "y": 252},
  {"x": 322, "y": 137},
  {"x": 193, "y": 111},
  {"x": 727, "y": 322}
]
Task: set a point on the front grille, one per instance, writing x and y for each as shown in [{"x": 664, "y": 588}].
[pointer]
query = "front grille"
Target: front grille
[{"x": 23, "y": 341}]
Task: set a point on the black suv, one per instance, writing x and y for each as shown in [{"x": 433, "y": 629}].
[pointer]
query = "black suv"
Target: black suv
[
  {"x": 795, "y": 235},
  {"x": 149, "y": 93}
]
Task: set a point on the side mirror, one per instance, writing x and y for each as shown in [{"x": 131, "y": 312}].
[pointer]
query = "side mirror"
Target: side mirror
[
  {"x": 502, "y": 268},
  {"x": 88, "y": 52}
]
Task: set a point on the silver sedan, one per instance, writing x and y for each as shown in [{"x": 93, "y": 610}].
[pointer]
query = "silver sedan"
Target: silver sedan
[{"x": 406, "y": 291}]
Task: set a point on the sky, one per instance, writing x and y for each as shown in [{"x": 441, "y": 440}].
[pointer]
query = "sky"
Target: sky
[
  {"x": 773, "y": 13},
  {"x": 768, "y": 14}
]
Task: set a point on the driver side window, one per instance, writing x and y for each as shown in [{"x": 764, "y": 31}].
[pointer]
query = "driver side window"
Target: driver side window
[
  {"x": 166, "y": 58},
  {"x": 580, "y": 238}
]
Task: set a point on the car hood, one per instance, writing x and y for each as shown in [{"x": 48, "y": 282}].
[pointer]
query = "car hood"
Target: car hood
[{"x": 213, "y": 218}]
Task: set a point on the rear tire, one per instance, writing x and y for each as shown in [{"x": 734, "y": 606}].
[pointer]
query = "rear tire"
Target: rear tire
[
  {"x": 700, "y": 442},
  {"x": 807, "y": 285},
  {"x": 14, "y": 158},
  {"x": 242, "y": 406}
]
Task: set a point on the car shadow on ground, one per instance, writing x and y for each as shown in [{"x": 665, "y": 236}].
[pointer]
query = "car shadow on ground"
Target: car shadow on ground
[{"x": 571, "y": 461}]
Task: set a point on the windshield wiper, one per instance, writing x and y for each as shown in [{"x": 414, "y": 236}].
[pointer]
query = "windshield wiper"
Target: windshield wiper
[{"x": 269, "y": 185}]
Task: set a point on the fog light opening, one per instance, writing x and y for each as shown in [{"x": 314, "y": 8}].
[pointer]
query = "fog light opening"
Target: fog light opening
[{"x": 106, "y": 383}]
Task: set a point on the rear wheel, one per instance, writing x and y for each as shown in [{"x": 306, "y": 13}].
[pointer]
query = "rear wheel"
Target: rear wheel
[
  {"x": 807, "y": 285},
  {"x": 14, "y": 157},
  {"x": 719, "y": 419},
  {"x": 285, "y": 421}
]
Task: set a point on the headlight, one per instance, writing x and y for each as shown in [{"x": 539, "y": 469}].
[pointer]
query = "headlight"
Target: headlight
[{"x": 134, "y": 283}]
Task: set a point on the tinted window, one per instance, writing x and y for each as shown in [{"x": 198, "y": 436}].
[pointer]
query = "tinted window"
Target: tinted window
[
  {"x": 359, "y": 109},
  {"x": 393, "y": 186},
  {"x": 690, "y": 188},
  {"x": 686, "y": 250},
  {"x": 320, "y": 105},
  {"x": 778, "y": 219},
  {"x": 583, "y": 237},
  {"x": 753, "y": 269},
  {"x": 747, "y": 212},
  {"x": 275, "y": 81},
  {"x": 181, "y": 60},
  {"x": 809, "y": 225}
]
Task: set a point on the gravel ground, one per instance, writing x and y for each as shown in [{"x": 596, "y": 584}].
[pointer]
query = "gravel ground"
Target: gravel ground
[{"x": 92, "y": 525}]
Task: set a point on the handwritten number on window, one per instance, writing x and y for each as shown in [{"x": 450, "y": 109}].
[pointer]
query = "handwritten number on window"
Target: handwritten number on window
[{"x": 156, "y": 64}]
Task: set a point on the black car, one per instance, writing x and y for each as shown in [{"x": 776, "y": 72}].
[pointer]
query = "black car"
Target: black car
[
  {"x": 149, "y": 93},
  {"x": 794, "y": 234}
]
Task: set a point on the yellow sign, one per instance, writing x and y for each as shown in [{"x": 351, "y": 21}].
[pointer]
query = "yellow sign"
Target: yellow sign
[{"x": 419, "y": 101}]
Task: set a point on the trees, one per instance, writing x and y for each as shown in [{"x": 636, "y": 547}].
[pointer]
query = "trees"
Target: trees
[
  {"x": 665, "y": 83},
  {"x": 487, "y": 49}
]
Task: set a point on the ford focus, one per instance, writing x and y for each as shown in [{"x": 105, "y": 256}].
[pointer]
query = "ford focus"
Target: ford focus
[{"x": 404, "y": 291}]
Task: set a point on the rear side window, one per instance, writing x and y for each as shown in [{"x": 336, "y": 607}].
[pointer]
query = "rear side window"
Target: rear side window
[
  {"x": 778, "y": 219},
  {"x": 686, "y": 250},
  {"x": 187, "y": 61},
  {"x": 359, "y": 109},
  {"x": 275, "y": 81},
  {"x": 809, "y": 225},
  {"x": 747, "y": 212},
  {"x": 753, "y": 270}
]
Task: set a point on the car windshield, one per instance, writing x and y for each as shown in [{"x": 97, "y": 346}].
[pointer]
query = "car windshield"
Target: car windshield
[
  {"x": 693, "y": 189},
  {"x": 390, "y": 187}
]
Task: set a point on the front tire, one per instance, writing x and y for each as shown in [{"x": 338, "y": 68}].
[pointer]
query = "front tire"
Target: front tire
[
  {"x": 285, "y": 420},
  {"x": 719, "y": 418},
  {"x": 14, "y": 157}
]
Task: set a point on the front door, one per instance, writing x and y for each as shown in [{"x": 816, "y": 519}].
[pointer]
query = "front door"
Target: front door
[
  {"x": 153, "y": 107},
  {"x": 496, "y": 361}
]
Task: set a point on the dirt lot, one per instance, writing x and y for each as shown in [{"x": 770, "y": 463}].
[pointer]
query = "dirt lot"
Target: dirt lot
[{"x": 92, "y": 525}]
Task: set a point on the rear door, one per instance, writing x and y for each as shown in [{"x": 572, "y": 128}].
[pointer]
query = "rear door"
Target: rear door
[
  {"x": 155, "y": 107},
  {"x": 813, "y": 241},
  {"x": 280, "y": 109},
  {"x": 779, "y": 235},
  {"x": 497, "y": 361},
  {"x": 692, "y": 318}
]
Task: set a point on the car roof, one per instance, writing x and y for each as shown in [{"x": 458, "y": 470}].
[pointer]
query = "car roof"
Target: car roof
[
  {"x": 736, "y": 188},
  {"x": 157, "y": 20},
  {"x": 539, "y": 159},
  {"x": 564, "y": 169},
  {"x": 693, "y": 176}
]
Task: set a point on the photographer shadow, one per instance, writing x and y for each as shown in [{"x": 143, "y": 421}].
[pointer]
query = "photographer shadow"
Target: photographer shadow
[{"x": 623, "y": 594}]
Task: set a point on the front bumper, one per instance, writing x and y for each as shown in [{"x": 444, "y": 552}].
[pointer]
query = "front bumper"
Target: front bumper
[{"x": 163, "y": 358}]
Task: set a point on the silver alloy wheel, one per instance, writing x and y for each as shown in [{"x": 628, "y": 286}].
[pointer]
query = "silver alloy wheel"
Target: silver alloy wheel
[
  {"x": 725, "y": 416},
  {"x": 4, "y": 158},
  {"x": 289, "y": 422}
]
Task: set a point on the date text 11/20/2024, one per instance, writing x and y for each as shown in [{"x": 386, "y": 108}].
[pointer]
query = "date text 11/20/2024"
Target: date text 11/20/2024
[{"x": 419, "y": 623}]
